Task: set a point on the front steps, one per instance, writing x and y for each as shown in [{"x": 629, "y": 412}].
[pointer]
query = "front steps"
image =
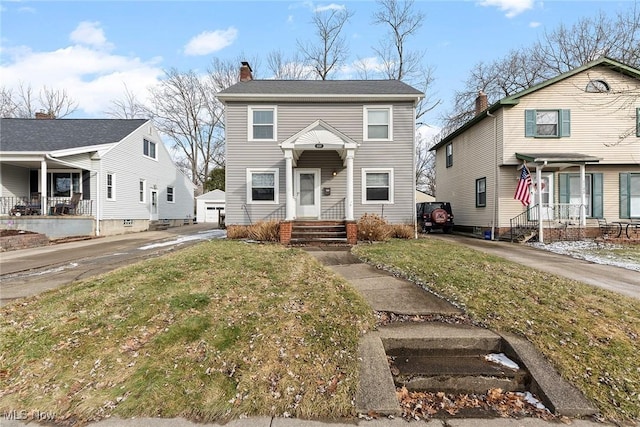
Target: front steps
[{"x": 318, "y": 232}]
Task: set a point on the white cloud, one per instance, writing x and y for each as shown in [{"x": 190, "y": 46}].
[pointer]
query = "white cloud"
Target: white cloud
[
  {"x": 90, "y": 34},
  {"x": 210, "y": 41},
  {"x": 331, "y": 6},
  {"x": 90, "y": 74},
  {"x": 511, "y": 7},
  {"x": 534, "y": 24}
]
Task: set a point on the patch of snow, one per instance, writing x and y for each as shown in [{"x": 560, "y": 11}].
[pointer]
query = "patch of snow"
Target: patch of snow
[
  {"x": 213, "y": 234},
  {"x": 584, "y": 249},
  {"x": 53, "y": 270},
  {"x": 528, "y": 397},
  {"x": 502, "y": 359}
]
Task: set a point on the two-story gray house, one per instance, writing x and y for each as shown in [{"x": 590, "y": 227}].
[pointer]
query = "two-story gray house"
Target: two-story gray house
[{"x": 318, "y": 150}]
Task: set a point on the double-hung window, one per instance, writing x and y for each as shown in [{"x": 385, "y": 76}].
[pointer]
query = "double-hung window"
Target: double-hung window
[
  {"x": 262, "y": 123},
  {"x": 449, "y": 154},
  {"x": 378, "y": 123},
  {"x": 149, "y": 148},
  {"x": 111, "y": 186},
  {"x": 262, "y": 186},
  {"x": 571, "y": 194},
  {"x": 630, "y": 195},
  {"x": 170, "y": 198},
  {"x": 377, "y": 186},
  {"x": 547, "y": 123},
  {"x": 481, "y": 192},
  {"x": 142, "y": 191}
]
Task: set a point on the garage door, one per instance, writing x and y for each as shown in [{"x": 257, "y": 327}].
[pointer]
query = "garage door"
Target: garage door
[{"x": 212, "y": 214}]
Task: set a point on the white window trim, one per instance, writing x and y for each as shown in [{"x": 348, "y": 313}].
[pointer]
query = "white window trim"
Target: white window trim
[
  {"x": 365, "y": 171},
  {"x": 365, "y": 122},
  {"x": 144, "y": 191},
  {"x": 276, "y": 189},
  {"x": 250, "y": 111},
  {"x": 173, "y": 193},
  {"x": 156, "y": 150},
  {"x": 113, "y": 187}
]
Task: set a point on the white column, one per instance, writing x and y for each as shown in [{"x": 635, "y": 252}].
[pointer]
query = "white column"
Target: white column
[
  {"x": 583, "y": 197},
  {"x": 348, "y": 203},
  {"x": 43, "y": 188},
  {"x": 539, "y": 194},
  {"x": 290, "y": 201}
]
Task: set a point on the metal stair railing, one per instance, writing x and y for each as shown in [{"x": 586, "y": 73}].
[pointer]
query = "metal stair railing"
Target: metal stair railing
[{"x": 523, "y": 224}]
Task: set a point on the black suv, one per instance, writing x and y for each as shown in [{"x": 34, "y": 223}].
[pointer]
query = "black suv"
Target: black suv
[{"x": 435, "y": 216}]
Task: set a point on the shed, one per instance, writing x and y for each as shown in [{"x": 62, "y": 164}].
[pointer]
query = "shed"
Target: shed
[{"x": 209, "y": 206}]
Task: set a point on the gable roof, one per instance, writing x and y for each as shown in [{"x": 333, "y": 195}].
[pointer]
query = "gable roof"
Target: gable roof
[
  {"x": 320, "y": 89},
  {"x": 515, "y": 98},
  {"x": 46, "y": 135}
]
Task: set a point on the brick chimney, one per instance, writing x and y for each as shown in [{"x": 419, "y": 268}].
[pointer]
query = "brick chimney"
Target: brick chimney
[
  {"x": 481, "y": 102},
  {"x": 245, "y": 72},
  {"x": 43, "y": 115}
]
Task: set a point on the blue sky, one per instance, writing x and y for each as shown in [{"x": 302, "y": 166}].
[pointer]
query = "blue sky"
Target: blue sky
[{"x": 93, "y": 48}]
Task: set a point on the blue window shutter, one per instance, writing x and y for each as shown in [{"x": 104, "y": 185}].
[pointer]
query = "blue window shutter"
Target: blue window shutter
[
  {"x": 565, "y": 120},
  {"x": 597, "y": 195},
  {"x": 637, "y": 121},
  {"x": 530, "y": 123},
  {"x": 624, "y": 195},
  {"x": 563, "y": 185}
]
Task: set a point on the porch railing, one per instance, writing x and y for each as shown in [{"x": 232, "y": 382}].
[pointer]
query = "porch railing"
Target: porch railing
[
  {"x": 565, "y": 213},
  {"x": 25, "y": 206}
]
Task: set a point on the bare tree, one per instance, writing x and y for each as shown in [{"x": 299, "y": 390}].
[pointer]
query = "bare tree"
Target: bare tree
[
  {"x": 127, "y": 107},
  {"x": 330, "y": 50},
  {"x": 24, "y": 103},
  {"x": 185, "y": 109},
  {"x": 283, "y": 68},
  {"x": 425, "y": 166},
  {"x": 402, "y": 22},
  {"x": 223, "y": 74},
  {"x": 557, "y": 52}
]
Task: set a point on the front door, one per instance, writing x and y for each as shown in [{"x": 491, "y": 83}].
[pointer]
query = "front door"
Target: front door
[
  {"x": 547, "y": 196},
  {"x": 307, "y": 193},
  {"x": 154, "y": 205}
]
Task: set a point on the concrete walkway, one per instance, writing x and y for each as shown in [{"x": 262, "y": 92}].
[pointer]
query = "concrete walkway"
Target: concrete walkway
[
  {"x": 386, "y": 293},
  {"x": 616, "y": 279}
]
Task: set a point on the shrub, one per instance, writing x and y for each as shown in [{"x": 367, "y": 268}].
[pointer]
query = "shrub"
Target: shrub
[
  {"x": 372, "y": 228},
  {"x": 237, "y": 232},
  {"x": 402, "y": 231},
  {"x": 265, "y": 231}
]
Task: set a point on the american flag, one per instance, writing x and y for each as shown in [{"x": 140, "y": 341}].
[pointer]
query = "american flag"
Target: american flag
[{"x": 522, "y": 190}]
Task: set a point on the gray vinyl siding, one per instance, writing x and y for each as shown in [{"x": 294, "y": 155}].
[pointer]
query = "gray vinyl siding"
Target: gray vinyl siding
[
  {"x": 346, "y": 118},
  {"x": 14, "y": 181},
  {"x": 128, "y": 164}
]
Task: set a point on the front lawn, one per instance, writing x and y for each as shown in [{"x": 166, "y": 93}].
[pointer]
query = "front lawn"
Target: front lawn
[
  {"x": 212, "y": 332},
  {"x": 591, "y": 335}
]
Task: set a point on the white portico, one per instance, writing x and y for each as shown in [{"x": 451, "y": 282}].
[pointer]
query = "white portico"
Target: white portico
[{"x": 318, "y": 136}]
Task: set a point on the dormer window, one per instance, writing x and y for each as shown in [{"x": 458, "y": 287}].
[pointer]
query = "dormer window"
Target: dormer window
[{"x": 597, "y": 86}]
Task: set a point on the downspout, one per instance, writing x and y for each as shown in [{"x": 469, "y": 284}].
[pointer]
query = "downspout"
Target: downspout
[
  {"x": 495, "y": 176},
  {"x": 97, "y": 172}
]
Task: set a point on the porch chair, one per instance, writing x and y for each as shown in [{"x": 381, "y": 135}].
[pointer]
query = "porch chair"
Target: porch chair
[
  {"x": 606, "y": 229},
  {"x": 68, "y": 208}
]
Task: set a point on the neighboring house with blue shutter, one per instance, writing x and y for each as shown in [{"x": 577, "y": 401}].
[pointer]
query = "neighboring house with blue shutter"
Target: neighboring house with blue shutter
[
  {"x": 578, "y": 134},
  {"x": 120, "y": 172},
  {"x": 319, "y": 150}
]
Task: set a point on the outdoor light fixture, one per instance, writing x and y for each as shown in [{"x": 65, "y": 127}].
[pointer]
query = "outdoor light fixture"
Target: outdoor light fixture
[{"x": 334, "y": 173}]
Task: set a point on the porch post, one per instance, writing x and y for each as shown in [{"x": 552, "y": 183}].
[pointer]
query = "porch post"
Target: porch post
[
  {"x": 348, "y": 205},
  {"x": 583, "y": 196},
  {"x": 539, "y": 195},
  {"x": 290, "y": 207},
  {"x": 43, "y": 188}
]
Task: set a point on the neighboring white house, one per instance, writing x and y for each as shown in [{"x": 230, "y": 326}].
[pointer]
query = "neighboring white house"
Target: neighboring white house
[
  {"x": 119, "y": 169},
  {"x": 210, "y": 207},
  {"x": 319, "y": 150},
  {"x": 422, "y": 197},
  {"x": 579, "y": 136}
]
